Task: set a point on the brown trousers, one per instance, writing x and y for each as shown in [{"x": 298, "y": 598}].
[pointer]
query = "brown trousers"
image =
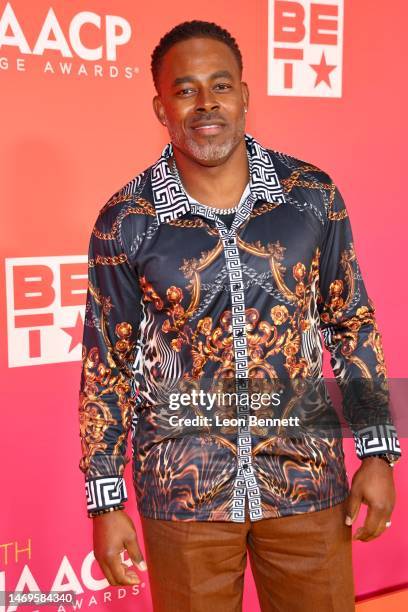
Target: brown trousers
[{"x": 300, "y": 563}]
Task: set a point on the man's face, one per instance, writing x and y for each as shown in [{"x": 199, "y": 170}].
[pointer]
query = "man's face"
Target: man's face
[{"x": 202, "y": 100}]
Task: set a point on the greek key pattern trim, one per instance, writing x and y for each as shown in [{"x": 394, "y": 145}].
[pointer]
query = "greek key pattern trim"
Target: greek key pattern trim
[
  {"x": 171, "y": 201},
  {"x": 105, "y": 492},
  {"x": 375, "y": 439}
]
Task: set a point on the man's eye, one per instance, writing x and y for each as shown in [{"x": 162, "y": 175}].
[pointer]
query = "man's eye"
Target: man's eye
[
  {"x": 223, "y": 85},
  {"x": 183, "y": 91}
]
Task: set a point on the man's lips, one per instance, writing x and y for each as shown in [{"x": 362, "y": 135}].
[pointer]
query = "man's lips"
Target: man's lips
[{"x": 208, "y": 128}]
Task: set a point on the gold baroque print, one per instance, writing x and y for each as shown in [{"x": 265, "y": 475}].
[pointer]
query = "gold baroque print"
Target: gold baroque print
[
  {"x": 115, "y": 260},
  {"x": 264, "y": 208},
  {"x": 195, "y": 223},
  {"x": 333, "y": 309},
  {"x": 209, "y": 343},
  {"x": 294, "y": 181},
  {"x": 123, "y": 347},
  {"x": 102, "y": 380},
  {"x": 143, "y": 207}
]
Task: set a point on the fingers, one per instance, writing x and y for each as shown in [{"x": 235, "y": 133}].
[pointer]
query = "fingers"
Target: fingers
[
  {"x": 353, "y": 507},
  {"x": 374, "y": 524},
  {"x": 135, "y": 554},
  {"x": 107, "y": 573},
  {"x": 118, "y": 573}
]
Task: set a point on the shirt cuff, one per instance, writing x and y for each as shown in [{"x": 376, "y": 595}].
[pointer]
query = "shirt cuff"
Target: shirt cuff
[
  {"x": 104, "y": 492},
  {"x": 375, "y": 439}
]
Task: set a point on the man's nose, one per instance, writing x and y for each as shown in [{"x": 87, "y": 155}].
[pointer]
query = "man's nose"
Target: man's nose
[{"x": 206, "y": 100}]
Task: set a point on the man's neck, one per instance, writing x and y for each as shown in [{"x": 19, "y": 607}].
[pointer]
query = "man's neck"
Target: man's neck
[{"x": 220, "y": 186}]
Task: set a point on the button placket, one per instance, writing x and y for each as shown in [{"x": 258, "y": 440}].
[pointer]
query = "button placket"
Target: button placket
[{"x": 245, "y": 483}]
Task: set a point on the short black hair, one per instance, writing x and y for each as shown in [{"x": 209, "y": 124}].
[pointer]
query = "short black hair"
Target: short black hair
[{"x": 185, "y": 31}]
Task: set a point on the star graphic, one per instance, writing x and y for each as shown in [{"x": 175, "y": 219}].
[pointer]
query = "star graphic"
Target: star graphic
[
  {"x": 323, "y": 71},
  {"x": 75, "y": 332}
]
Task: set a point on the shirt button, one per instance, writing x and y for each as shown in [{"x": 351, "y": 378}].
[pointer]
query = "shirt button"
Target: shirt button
[
  {"x": 235, "y": 287},
  {"x": 230, "y": 241}
]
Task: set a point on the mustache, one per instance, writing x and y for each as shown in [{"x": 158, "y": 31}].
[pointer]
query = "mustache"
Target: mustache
[{"x": 207, "y": 118}]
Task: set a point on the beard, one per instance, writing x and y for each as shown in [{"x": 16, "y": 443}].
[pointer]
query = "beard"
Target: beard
[{"x": 208, "y": 151}]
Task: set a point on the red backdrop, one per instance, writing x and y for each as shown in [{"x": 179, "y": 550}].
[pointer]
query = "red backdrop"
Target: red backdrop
[{"x": 75, "y": 126}]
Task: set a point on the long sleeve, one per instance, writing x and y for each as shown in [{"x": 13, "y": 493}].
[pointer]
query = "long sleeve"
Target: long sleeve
[
  {"x": 106, "y": 398},
  {"x": 352, "y": 337}
]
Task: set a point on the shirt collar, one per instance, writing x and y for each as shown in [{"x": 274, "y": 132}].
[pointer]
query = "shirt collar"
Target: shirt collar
[{"x": 171, "y": 201}]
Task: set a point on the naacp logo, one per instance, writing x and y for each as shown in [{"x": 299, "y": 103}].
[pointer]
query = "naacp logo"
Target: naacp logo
[
  {"x": 83, "y": 44},
  {"x": 305, "y": 48}
]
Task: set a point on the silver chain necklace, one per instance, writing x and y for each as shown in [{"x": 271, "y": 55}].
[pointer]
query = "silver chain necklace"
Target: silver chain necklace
[{"x": 219, "y": 211}]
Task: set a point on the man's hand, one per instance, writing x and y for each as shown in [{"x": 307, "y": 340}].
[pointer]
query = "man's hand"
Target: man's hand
[
  {"x": 114, "y": 532},
  {"x": 372, "y": 484}
]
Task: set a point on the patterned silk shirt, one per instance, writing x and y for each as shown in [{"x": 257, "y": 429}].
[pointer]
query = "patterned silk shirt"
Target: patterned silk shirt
[{"x": 180, "y": 302}]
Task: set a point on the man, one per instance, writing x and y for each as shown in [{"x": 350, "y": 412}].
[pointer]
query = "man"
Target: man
[{"x": 221, "y": 263}]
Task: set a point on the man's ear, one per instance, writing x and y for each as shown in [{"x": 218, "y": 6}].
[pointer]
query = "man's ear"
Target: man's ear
[
  {"x": 159, "y": 110},
  {"x": 245, "y": 93}
]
